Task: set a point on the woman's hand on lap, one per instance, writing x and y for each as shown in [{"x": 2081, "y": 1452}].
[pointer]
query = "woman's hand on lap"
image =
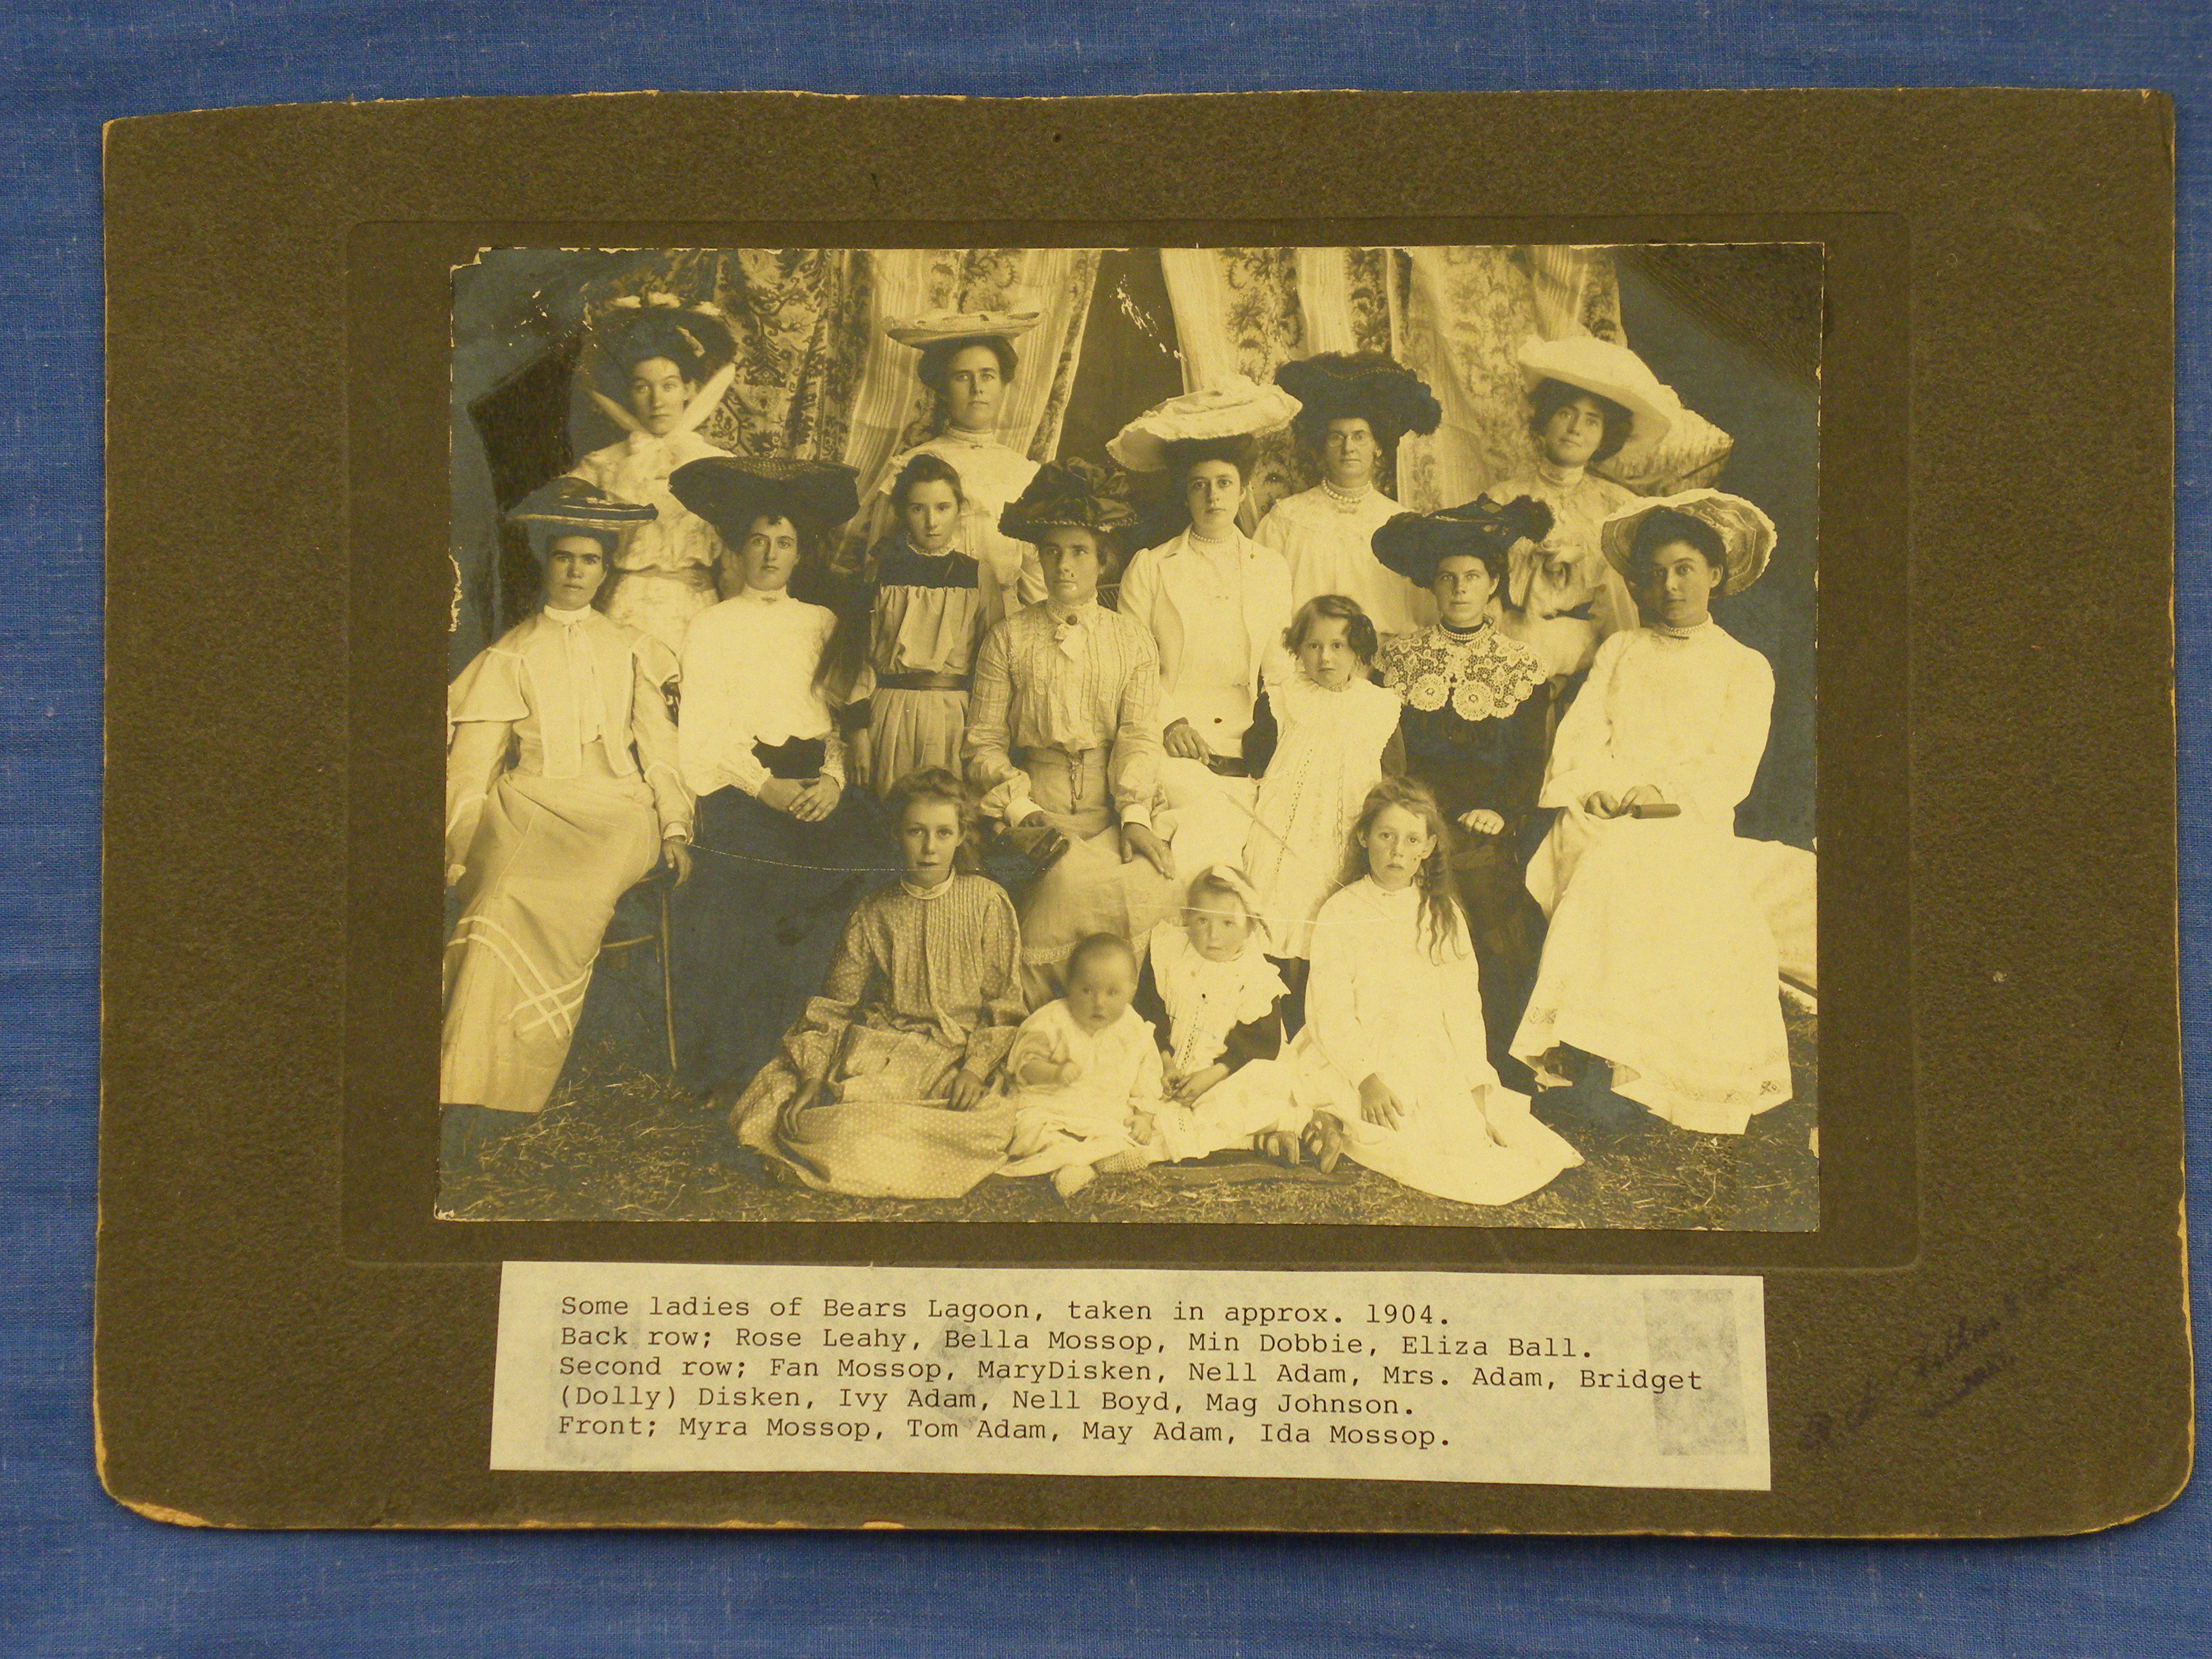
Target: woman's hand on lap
[
  {"x": 817, "y": 799},
  {"x": 677, "y": 855},
  {"x": 1138, "y": 842},
  {"x": 1482, "y": 822},
  {"x": 968, "y": 1091},
  {"x": 782, "y": 795}
]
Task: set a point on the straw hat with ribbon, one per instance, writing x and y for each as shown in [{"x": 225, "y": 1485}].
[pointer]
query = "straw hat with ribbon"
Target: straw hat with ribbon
[
  {"x": 1746, "y": 534},
  {"x": 1610, "y": 370}
]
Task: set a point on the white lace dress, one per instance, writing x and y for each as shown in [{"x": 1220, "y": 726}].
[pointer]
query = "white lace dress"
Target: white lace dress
[{"x": 1329, "y": 755}]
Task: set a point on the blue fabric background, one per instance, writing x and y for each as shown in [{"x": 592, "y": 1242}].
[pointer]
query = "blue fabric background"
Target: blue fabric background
[{"x": 79, "y": 1576}]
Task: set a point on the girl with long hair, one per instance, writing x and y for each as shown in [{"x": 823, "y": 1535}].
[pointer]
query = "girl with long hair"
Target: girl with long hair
[{"x": 1393, "y": 1047}]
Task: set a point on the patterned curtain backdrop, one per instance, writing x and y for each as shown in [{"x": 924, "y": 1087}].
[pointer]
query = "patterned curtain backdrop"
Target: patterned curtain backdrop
[
  {"x": 797, "y": 316},
  {"x": 1242, "y": 311},
  {"x": 893, "y": 410},
  {"x": 1459, "y": 316}
]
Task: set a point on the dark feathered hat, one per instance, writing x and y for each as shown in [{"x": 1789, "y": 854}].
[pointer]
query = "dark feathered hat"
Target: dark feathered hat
[
  {"x": 730, "y": 491},
  {"x": 1368, "y": 385},
  {"x": 572, "y": 506},
  {"x": 1069, "y": 495},
  {"x": 1413, "y": 544}
]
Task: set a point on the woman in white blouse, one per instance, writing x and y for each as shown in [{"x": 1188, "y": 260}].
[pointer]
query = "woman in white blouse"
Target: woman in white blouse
[
  {"x": 658, "y": 369},
  {"x": 784, "y": 845},
  {"x": 1660, "y": 964},
  {"x": 1216, "y": 602},
  {"x": 561, "y": 791},
  {"x": 1354, "y": 410}
]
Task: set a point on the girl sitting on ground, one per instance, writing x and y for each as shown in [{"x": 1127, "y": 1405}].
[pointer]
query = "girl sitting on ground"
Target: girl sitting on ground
[
  {"x": 1393, "y": 1047},
  {"x": 881, "y": 1087},
  {"x": 1210, "y": 991}
]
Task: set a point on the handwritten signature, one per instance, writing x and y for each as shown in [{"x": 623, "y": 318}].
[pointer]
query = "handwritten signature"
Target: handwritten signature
[{"x": 1948, "y": 1368}]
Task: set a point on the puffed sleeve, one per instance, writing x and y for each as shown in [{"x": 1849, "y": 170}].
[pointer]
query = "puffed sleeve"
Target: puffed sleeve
[
  {"x": 1136, "y": 758},
  {"x": 1332, "y": 1000},
  {"x": 711, "y": 748},
  {"x": 1000, "y": 949},
  {"x": 1581, "y": 749},
  {"x": 1521, "y": 771},
  {"x": 1274, "y": 530},
  {"x": 1276, "y": 663},
  {"x": 1039, "y": 1037},
  {"x": 1141, "y": 591},
  {"x": 654, "y": 733},
  {"x": 481, "y": 707},
  {"x": 987, "y": 748},
  {"x": 1150, "y": 1085}
]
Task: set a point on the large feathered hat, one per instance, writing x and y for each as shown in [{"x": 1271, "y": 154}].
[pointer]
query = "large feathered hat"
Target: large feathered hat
[
  {"x": 572, "y": 506},
  {"x": 1746, "y": 534},
  {"x": 1368, "y": 385},
  {"x": 1414, "y": 544},
  {"x": 730, "y": 491},
  {"x": 1070, "y": 494},
  {"x": 1235, "y": 406}
]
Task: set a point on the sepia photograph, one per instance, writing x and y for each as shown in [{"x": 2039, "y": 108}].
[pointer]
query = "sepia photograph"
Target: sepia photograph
[{"x": 1243, "y": 735}]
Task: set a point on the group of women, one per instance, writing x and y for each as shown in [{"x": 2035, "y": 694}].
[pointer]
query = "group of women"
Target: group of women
[{"x": 1396, "y": 818}]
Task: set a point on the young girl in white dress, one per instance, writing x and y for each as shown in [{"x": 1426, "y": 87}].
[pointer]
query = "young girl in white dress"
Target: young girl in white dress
[
  {"x": 1217, "y": 1003},
  {"x": 1334, "y": 723},
  {"x": 1394, "y": 1048}
]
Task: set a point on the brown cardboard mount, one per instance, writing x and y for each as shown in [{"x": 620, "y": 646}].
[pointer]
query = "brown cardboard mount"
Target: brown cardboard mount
[{"x": 1986, "y": 1336}]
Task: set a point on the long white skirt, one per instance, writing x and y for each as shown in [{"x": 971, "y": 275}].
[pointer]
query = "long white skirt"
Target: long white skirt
[
  {"x": 1466, "y": 1137},
  {"x": 1661, "y": 961}
]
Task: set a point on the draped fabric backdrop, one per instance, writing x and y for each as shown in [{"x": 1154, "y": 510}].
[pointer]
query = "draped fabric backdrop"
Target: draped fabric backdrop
[
  {"x": 817, "y": 377},
  {"x": 896, "y": 410}
]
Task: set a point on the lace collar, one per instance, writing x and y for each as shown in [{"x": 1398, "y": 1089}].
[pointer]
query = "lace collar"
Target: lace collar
[{"x": 1483, "y": 675}]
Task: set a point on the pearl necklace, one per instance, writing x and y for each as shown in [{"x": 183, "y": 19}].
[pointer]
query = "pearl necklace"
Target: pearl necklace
[{"x": 1348, "y": 501}]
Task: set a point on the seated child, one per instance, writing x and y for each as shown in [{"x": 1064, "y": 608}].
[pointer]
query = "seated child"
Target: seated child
[
  {"x": 1210, "y": 990},
  {"x": 1393, "y": 1047},
  {"x": 1083, "y": 1075},
  {"x": 881, "y": 1086}
]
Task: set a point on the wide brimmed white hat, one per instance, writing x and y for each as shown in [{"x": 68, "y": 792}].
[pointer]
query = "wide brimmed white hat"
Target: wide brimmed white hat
[
  {"x": 1746, "y": 533},
  {"x": 933, "y": 327},
  {"x": 1611, "y": 370},
  {"x": 1235, "y": 406}
]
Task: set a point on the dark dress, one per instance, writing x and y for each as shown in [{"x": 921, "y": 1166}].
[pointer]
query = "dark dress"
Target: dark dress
[
  {"x": 1472, "y": 729},
  {"x": 769, "y": 895}
]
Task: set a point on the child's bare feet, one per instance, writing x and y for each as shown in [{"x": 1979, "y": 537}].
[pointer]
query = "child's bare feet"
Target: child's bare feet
[
  {"x": 1072, "y": 1178},
  {"x": 1278, "y": 1146},
  {"x": 1324, "y": 1139}
]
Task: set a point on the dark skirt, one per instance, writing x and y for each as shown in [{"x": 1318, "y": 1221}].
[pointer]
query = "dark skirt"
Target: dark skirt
[
  {"x": 1507, "y": 926},
  {"x": 754, "y": 927}
]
